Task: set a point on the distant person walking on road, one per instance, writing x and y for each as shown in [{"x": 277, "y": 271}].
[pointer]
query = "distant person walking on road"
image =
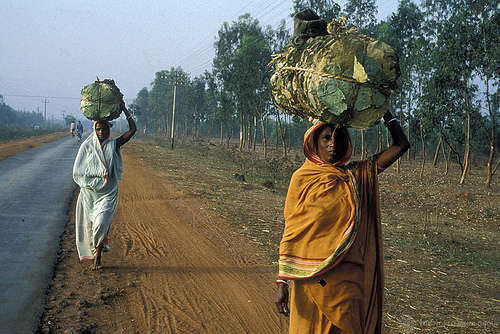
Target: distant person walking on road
[
  {"x": 97, "y": 169},
  {"x": 330, "y": 252},
  {"x": 72, "y": 129},
  {"x": 79, "y": 127},
  {"x": 79, "y": 130}
]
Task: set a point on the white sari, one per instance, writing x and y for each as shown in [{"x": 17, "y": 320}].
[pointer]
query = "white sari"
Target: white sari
[{"x": 96, "y": 170}]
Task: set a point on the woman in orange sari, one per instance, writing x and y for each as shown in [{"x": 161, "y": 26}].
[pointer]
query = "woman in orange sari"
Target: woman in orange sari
[{"x": 331, "y": 252}]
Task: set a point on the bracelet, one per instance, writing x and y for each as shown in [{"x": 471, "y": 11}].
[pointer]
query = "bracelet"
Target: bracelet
[
  {"x": 129, "y": 117},
  {"x": 392, "y": 119},
  {"x": 281, "y": 281}
]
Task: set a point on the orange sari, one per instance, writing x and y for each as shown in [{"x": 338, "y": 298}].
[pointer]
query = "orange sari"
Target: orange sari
[{"x": 331, "y": 246}]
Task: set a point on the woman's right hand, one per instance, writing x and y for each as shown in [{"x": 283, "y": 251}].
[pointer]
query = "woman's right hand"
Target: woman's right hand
[
  {"x": 122, "y": 106},
  {"x": 281, "y": 299}
]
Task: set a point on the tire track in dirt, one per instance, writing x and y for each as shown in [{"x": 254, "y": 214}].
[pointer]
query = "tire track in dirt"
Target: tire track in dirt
[{"x": 191, "y": 272}]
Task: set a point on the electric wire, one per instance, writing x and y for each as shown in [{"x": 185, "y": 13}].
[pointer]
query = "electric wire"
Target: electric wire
[
  {"x": 43, "y": 96},
  {"x": 203, "y": 48},
  {"x": 262, "y": 13}
]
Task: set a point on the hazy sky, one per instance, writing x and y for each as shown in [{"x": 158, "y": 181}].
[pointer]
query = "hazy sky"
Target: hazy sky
[{"x": 53, "y": 48}]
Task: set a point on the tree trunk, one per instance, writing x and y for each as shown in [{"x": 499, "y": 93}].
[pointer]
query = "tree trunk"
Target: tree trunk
[
  {"x": 288, "y": 133},
  {"x": 249, "y": 134},
  {"x": 457, "y": 155},
  {"x": 221, "y": 132},
  {"x": 467, "y": 139},
  {"x": 277, "y": 134},
  {"x": 194, "y": 128},
  {"x": 491, "y": 156},
  {"x": 254, "y": 132},
  {"x": 282, "y": 134},
  {"x": 447, "y": 161},
  {"x": 408, "y": 134},
  {"x": 355, "y": 134},
  {"x": 230, "y": 136},
  {"x": 240, "y": 148},
  {"x": 423, "y": 150},
  {"x": 379, "y": 138},
  {"x": 436, "y": 154},
  {"x": 165, "y": 121},
  {"x": 496, "y": 167},
  {"x": 363, "y": 147},
  {"x": 264, "y": 138},
  {"x": 443, "y": 150},
  {"x": 401, "y": 111}
]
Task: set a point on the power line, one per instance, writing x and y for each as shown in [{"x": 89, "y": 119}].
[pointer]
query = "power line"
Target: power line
[
  {"x": 203, "y": 64},
  {"x": 203, "y": 48},
  {"x": 263, "y": 12},
  {"x": 43, "y": 96}
]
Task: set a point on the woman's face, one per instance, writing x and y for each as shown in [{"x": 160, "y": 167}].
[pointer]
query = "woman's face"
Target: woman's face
[
  {"x": 102, "y": 131},
  {"x": 332, "y": 145}
]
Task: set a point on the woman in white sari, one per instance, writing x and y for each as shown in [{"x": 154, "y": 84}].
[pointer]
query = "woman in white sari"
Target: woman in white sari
[{"x": 97, "y": 169}]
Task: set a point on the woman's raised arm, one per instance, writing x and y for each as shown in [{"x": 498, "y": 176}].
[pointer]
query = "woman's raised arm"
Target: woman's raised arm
[
  {"x": 125, "y": 137},
  {"x": 399, "y": 145}
]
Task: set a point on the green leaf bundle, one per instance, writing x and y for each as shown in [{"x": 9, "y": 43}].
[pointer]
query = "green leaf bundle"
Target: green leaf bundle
[
  {"x": 101, "y": 100},
  {"x": 342, "y": 77}
]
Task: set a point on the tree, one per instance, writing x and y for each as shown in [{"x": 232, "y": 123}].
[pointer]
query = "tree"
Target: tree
[
  {"x": 197, "y": 103},
  {"x": 240, "y": 67},
  {"x": 22, "y": 119},
  {"x": 326, "y": 9},
  {"x": 361, "y": 14},
  {"x": 488, "y": 55},
  {"x": 406, "y": 38},
  {"x": 218, "y": 102},
  {"x": 161, "y": 98},
  {"x": 140, "y": 107},
  {"x": 280, "y": 40},
  {"x": 68, "y": 119}
]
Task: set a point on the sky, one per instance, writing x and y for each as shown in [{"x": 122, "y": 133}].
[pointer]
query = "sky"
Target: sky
[{"x": 50, "y": 49}]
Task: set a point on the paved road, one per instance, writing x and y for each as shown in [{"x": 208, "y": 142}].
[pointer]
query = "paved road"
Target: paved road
[{"x": 35, "y": 193}]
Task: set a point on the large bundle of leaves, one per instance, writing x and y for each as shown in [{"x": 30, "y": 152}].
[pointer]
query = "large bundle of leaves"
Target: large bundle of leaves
[
  {"x": 340, "y": 77},
  {"x": 101, "y": 100}
]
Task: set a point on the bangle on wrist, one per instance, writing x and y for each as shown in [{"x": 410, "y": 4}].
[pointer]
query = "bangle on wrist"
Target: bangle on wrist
[
  {"x": 129, "y": 117},
  {"x": 281, "y": 281},
  {"x": 391, "y": 120}
]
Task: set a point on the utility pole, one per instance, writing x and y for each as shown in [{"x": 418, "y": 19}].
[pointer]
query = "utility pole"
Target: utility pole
[
  {"x": 173, "y": 121},
  {"x": 45, "y": 109}
]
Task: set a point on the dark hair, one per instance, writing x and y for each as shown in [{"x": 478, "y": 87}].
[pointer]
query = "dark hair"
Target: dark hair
[{"x": 105, "y": 123}]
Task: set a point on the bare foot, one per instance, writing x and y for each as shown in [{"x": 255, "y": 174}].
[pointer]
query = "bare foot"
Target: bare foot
[
  {"x": 97, "y": 260},
  {"x": 95, "y": 267}
]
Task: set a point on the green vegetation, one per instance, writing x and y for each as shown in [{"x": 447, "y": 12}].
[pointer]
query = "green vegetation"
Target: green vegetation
[
  {"x": 19, "y": 124},
  {"x": 20, "y": 119},
  {"x": 101, "y": 100},
  {"x": 10, "y": 133},
  {"x": 447, "y": 99}
]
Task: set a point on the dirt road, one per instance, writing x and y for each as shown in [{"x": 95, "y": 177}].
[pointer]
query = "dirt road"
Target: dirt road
[{"x": 174, "y": 267}]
